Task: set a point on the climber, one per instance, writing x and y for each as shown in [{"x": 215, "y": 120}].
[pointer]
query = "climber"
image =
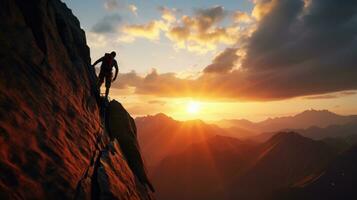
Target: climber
[{"x": 108, "y": 62}]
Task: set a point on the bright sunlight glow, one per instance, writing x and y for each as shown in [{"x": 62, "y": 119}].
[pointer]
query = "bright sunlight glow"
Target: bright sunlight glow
[{"x": 193, "y": 107}]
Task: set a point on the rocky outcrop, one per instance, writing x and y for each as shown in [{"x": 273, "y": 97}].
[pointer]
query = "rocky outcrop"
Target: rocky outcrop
[
  {"x": 53, "y": 142},
  {"x": 121, "y": 126}
]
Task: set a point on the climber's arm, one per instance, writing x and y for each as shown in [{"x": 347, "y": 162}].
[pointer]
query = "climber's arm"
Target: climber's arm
[
  {"x": 98, "y": 61},
  {"x": 116, "y": 70}
]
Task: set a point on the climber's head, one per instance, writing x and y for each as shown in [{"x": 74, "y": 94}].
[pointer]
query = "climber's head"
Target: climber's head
[{"x": 113, "y": 54}]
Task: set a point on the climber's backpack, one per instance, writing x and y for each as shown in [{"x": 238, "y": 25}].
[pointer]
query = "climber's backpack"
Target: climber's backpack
[{"x": 107, "y": 63}]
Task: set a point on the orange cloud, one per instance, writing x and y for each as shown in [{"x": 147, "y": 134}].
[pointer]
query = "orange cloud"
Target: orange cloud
[
  {"x": 242, "y": 17},
  {"x": 198, "y": 33},
  {"x": 168, "y": 14},
  {"x": 148, "y": 31},
  {"x": 262, "y": 8}
]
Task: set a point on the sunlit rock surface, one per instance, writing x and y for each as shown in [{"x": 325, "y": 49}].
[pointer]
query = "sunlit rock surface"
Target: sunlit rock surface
[{"x": 53, "y": 141}]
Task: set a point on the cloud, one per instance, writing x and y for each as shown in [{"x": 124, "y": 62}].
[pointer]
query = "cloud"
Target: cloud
[
  {"x": 206, "y": 18},
  {"x": 242, "y": 17},
  {"x": 333, "y": 95},
  {"x": 133, "y": 9},
  {"x": 199, "y": 33},
  {"x": 347, "y": 93},
  {"x": 96, "y": 40},
  {"x": 324, "y": 96},
  {"x": 305, "y": 49},
  {"x": 223, "y": 62},
  {"x": 111, "y": 5},
  {"x": 297, "y": 48},
  {"x": 149, "y": 31},
  {"x": 108, "y": 24},
  {"x": 168, "y": 14},
  {"x": 262, "y": 8},
  {"x": 152, "y": 83}
]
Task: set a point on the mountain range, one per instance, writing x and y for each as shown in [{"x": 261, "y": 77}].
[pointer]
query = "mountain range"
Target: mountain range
[
  {"x": 228, "y": 168},
  {"x": 304, "y": 120},
  {"x": 198, "y": 160}
]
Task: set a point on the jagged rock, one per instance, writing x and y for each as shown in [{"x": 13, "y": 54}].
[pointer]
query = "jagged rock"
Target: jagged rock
[
  {"x": 51, "y": 135},
  {"x": 113, "y": 179},
  {"x": 122, "y": 127}
]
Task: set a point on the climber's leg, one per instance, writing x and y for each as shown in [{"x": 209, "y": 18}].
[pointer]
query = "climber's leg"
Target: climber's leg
[
  {"x": 108, "y": 82},
  {"x": 106, "y": 92}
]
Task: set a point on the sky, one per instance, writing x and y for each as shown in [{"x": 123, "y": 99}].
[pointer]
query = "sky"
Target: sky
[{"x": 214, "y": 60}]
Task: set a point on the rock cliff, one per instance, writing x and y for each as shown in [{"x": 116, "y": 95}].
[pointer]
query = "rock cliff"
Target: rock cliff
[{"x": 54, "y": 141}]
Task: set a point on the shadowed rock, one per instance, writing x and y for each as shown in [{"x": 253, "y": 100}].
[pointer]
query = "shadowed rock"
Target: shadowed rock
[{"x": 121, "y": 126}]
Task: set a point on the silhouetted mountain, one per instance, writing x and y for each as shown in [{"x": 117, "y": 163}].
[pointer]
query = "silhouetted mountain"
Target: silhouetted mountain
[
  {"x": 304, "y": 120},
  {"x": 53, "y": 138},
  {"x": 341, "y": 144},
  {"x": 281, "y": 161},
  {"x": 161, "y": 135},
  {"x": 338, "y": 181},
  {"x": 319, "y": 118},
  {"x": 313, "y": 132},
  {"x": 332, "y": 131},
  {"x": 247, "y": 127},
  {"x": 228, "y": 168}
]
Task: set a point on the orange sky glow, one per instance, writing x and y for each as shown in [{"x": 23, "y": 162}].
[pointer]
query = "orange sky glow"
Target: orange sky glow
[{"x": 232, "y": 59}]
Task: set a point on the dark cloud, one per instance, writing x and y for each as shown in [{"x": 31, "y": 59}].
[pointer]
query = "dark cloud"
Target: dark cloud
[
  {"x": 224, "y": 62},
  {"x": 209, "y": 16},
  {"x": 107, "y": 24},
  {"x": 306, "y": 50}
]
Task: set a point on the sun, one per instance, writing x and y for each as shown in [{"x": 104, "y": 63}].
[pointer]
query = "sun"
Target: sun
[{"x": 193, "y": 107}]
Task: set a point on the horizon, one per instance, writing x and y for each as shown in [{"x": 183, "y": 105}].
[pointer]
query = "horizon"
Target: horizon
[
  {"x": 181, "y": 69},
  {"x": 257, "y": 121}
]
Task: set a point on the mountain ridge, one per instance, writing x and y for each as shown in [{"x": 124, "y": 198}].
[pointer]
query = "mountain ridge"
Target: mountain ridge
[
  {"x": 236, "y": 169},
  {"x": 302, "y": 120}
]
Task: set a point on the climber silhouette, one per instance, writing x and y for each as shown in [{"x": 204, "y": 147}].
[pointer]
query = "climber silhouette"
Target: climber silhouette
[{"x": 108, "y": 62}]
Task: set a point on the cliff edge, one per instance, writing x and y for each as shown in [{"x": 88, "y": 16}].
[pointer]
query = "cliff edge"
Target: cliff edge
[{"x": 54, "y": 144}]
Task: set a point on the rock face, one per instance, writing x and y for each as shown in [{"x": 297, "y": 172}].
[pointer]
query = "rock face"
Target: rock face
[
  {"x": 122, "y": 126},
  {"x": 53, "y": 142}
]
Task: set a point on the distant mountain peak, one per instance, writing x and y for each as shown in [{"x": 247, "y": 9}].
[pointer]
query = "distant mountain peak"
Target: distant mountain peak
[
  {"x": 161, "y": 115},
  {"x": 156, "y": 117},
  {"x": 316, "y": 112}
]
